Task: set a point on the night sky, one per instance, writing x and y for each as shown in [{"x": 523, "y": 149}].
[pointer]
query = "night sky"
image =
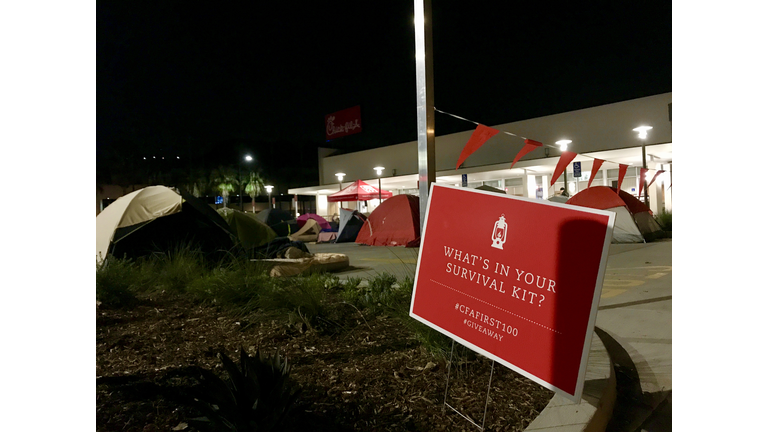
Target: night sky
[{"x": 209, "y": 82}]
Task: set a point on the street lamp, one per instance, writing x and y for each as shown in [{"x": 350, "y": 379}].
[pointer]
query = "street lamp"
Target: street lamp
[
  {"x": 247, "y": 158},
  {"x": 269, "y": 195},
  {"x": 379, "y": 170},
  {"x": 340, "y": 176},
  {"x": 642, "y": 133}
]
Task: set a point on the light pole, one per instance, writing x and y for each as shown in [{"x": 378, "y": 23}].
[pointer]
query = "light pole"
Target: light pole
[
  {"x": 340, "y": 176},
  {"x": 247, "y": 158},
  {"x": 642, "y": 133},
  {"x": 269, "y": 195},
  {"x": 379, "y": 170}
]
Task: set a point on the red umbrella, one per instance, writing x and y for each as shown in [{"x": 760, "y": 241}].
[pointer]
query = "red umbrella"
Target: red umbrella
[{"x": 358, "y": 191}]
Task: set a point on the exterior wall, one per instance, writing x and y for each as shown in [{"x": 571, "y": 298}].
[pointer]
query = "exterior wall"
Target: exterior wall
[{"x": 606, "y": 127}]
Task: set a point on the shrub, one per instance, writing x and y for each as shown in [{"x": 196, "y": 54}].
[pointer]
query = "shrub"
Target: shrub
[
  {"x": 256, "y": 396},
  {"x": 175, "y": 269},
  {"x": 236, "y": 284},
  {"x": 116, "y": 280},
  {"x": 664, "y": 218},
  {"x": 306, "y": 299}
]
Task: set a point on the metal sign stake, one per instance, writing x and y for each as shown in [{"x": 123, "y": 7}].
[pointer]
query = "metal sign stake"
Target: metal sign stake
[{"x": 487, "y": 395}]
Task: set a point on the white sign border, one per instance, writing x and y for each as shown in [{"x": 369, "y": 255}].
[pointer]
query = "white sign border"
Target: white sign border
[{"x": 576, "y": 396}]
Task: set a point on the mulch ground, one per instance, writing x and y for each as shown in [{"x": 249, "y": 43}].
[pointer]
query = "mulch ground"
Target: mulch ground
[{"x": 372, "y": 375}]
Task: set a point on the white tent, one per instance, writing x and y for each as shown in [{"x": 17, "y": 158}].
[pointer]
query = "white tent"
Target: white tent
[{"x": 136, "y": 208}]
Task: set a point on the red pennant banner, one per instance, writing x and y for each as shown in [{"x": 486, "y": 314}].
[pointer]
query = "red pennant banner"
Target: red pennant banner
[
  {"x": 479, "y": 137},
  {"x": 622, "y": 172},
  {"x": 595, "y": 168},
  {"x": 642, "y": 180},
  {"x": 654, "y": 177},
  {"x": 529, "y": 146},
  {"x": 565, "y": 158}
]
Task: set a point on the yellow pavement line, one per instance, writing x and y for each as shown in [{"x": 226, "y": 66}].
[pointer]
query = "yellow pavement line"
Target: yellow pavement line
[{"x": 608, "y": 293}]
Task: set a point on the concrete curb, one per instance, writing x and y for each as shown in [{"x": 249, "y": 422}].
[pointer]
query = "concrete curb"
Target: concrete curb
[{"x": 593, "y": 413}]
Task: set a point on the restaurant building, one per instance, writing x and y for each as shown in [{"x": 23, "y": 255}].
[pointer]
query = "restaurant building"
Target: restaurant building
[{"x": 607, "y": 132}]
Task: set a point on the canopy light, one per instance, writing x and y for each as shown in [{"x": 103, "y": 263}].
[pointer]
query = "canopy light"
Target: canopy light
[
  {"x": 563, "y": 144},
  {"x": 379, "y": 169},
  {"x": 642, "y": 131}
]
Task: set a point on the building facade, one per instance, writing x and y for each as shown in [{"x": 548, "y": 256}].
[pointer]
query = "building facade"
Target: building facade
[{"x": 603, "y": 132}]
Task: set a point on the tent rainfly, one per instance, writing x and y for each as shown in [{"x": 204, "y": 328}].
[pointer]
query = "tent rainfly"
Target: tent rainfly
[
  {"x": 157, "y": 218},
  {"x": 633, "y": 218},
  {"x": 250, "y": 231},
  {"x": 394, "y": 223}
]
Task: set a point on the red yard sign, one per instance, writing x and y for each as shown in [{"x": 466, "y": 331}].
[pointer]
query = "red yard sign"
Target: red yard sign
[
  {"x": 514, "y": 279},
  {"x": 342, "y": 123}
]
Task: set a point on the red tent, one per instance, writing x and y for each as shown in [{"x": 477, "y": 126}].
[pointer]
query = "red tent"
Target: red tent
[
  {"x": 634, "y": 219},
  {"x": 358, "y": 191},
  {"x": 394, "y": 223}
]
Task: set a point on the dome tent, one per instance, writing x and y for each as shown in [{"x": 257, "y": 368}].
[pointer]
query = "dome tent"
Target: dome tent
[
  {"x": 281, "y": 221},
  {"x": 634, "y": 220},
  {"x": 158, "y": 218},
  {"x": 394, "y": 223},
  {"x": 250, "y": 231},
  {"x": 350, "y": 222},
  {"x": 324, "y": 224}
]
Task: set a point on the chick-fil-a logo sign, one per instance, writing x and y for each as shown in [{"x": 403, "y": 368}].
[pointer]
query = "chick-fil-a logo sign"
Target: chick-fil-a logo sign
[
  {"x": 342, "y": 123},
  {"x": 517, "y": 280}
]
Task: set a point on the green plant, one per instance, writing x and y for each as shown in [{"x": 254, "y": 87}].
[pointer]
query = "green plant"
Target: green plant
[
  {"x": 116, "y": 280},
  {"x": 256, "y": 396},
  {"x": 305, "y": 299},
  {"x": 664, "y": 218},
  {"x": 235, "y": 284},
  {"x": 382, "y": 293},
  {"x": 176, "y": 268}
]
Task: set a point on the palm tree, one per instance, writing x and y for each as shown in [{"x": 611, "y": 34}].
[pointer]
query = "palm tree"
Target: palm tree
[
  {"x": 225, "y": 181},
  {"x": 254, "y": 187}
]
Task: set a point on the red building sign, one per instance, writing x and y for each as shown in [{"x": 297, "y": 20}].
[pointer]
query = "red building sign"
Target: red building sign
[
  {"x": 515, "y": 279},
  {"x": 342, "y": 123}
]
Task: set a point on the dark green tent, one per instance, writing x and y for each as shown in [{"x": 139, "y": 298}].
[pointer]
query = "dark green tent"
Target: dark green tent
[{"x": 250, "y": 231}]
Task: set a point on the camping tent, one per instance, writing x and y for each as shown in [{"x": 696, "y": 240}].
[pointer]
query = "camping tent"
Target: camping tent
[
  {"x": 307, "y": 233},
  {"x": 249, "y": 230},
  {"x": 633, "y": 218},
  {"x": 281, "y": 221},
  {"x": 157, "y": 218},
  {"x": 324, "y": 224},
  {"x": 350, "y": 222},
  {"x": 358, "y": 191},
  {"x": 394, "y": 223}
]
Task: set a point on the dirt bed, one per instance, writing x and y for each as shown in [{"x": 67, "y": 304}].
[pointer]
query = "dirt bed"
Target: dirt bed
[{"x": 372, "y": 375}]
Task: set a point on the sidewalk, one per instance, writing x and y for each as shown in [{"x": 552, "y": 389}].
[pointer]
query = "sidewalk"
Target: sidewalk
[{"x": 634, "y": 325}]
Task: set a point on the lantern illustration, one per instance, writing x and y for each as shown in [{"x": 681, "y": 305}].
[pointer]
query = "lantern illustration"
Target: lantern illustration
[{"x": 499, "y": 235}]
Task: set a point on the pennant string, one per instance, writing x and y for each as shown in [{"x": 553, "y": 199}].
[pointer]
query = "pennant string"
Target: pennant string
[{"x": 518, "y": 136}]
